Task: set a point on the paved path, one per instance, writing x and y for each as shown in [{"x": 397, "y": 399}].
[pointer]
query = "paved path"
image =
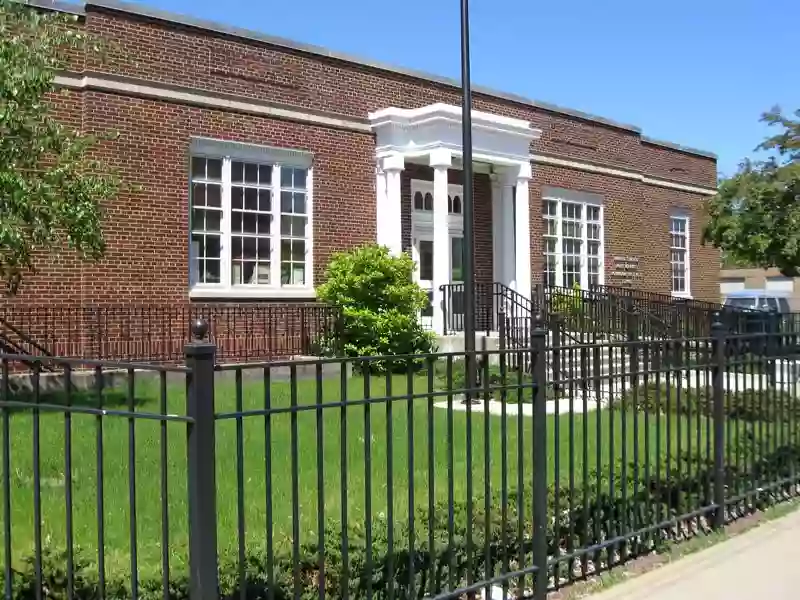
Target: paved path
[{"x": 762, "y": 563}]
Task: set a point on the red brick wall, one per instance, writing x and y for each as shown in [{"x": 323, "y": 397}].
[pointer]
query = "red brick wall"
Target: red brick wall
[
  {"x": 183, "y": 56},
  {"x": 146, "y": 226},
  {"x": 636, "y": 223}
]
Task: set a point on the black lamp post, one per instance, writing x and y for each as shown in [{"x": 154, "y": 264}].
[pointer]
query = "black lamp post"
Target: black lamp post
[{"x": 469, "y": 238}]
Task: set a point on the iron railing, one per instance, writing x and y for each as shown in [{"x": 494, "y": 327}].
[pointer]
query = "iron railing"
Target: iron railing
[
  {"x": 386, "y": 477},
  {"x": 490, "y": 300},
  {"x": 158, "y": 333}
]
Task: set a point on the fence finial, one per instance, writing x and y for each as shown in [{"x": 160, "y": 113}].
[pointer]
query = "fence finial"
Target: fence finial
[
  {"x": 199, "y": 330},
  {"x": 716, "y": 321}
]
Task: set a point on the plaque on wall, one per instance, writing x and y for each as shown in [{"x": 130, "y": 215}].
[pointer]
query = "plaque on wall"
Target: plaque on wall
[{"x": 625, "y": 271}]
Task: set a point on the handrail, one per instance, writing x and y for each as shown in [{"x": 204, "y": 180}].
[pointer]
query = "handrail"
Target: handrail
[{"x": 24, "y": 337}]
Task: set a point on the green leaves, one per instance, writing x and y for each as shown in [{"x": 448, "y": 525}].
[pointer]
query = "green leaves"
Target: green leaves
[
  {"x": 51, "y": 188},
  {"x": 755, "y": 217},
  {"x": 379, "y": 301}
]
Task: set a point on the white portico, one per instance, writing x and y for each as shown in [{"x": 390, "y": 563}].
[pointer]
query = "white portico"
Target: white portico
[{"x": 431, "y": 135}]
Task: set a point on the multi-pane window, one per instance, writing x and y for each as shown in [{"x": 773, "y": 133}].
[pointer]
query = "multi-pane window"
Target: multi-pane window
[
  {"x": 454, "y": 205},
  {"x": 424, "y": 202},
  {"x": 679, "y": 254},
  {"x": 594, "y": 242},
  {"x": 294, "y": 224},
  {"x": 571, "y": 243},
  {"x": 550, "y": 215},
  {"x": 573, "y": 240},
  {"x": 207, "y": 219},
  {"x": 250, "y": 223}
]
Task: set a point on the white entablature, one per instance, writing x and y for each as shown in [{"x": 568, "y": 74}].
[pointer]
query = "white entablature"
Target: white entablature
[{"x": 414, "y": 132}]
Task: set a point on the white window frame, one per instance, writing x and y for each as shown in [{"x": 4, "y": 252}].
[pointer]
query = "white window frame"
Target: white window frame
[
  {"x": 422, "y": 220},
  {"x": 229, "y": 152},
  {"x": 585, "y": 199},
  {"x": 687, "y": 292}
]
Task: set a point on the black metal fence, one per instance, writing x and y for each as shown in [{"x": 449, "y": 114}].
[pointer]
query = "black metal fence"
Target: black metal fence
[
  {"x": 605, "y": 312},
  {"x": 490, "y": 300},
  {"x": 158, "y": 333},
  {"x": 386, "y": 477}
]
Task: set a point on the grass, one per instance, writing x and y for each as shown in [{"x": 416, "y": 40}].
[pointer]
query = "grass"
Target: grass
[{"x": 398, "y": 441}]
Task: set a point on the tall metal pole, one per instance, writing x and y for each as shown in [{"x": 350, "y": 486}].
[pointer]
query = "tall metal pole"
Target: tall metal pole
[{"x": 469, "y": 238}]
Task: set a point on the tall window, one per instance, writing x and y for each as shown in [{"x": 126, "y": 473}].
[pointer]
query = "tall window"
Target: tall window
[
  {"x": 250, "y": 220},
  {"x": 573, "y": 238},
  {"x": 679, "y": 254}
]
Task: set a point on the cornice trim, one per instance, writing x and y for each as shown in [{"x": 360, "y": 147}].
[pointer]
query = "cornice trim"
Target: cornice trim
[
  {"x": 128, "y": 86},
  {"x": 622, "y": 173},
  {"x": 152, "y": 90}
]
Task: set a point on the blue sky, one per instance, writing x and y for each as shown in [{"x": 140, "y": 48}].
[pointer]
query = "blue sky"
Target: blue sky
[{"x": 694, "y": 72}]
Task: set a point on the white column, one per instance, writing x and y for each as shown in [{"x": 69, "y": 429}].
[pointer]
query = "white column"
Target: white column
[
  {"x": 522, "y": 226},
  {"x": 440, "y": 160},
  {"x": 390, "y": 230},
  {"x": 381, "y": 205},
  {"x": 507, "y": 233}
]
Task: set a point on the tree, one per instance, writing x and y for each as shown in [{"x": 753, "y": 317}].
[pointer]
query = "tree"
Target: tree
[
  {"x": 379, "y": 302},
  {"x": 755, "y": 216},
  {"x": 51, "y": 189}
]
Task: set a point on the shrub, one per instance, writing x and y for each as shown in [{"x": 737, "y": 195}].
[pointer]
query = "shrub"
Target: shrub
[
  {"x": 568, "y": 303},
  {"x": 379, "y": 303},
  {"x": 512, "y": 380},
  {"x": 749, "y": 406},
  {"x": 376, "y": 569}
]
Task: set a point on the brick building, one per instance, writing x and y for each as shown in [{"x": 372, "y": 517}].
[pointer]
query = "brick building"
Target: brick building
[{"x": 250, "y": 159}]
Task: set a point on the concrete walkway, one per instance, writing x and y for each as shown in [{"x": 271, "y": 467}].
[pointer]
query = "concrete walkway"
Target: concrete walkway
[{"x": 762, "y": 563}]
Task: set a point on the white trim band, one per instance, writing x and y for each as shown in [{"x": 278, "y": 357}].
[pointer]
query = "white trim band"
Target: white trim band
[
  {"x": 157, "y": 91},
  {"x": 581, "y": 166},
  {"x": 204, "y": 99}
]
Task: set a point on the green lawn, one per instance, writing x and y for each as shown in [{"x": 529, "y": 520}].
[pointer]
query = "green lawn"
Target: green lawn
[{"x": 414, "y": 425}]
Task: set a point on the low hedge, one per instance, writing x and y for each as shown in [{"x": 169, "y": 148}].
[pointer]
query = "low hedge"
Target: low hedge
[
  {"x": 436, "y": 569},
  {"x": 751, "y": 406}
]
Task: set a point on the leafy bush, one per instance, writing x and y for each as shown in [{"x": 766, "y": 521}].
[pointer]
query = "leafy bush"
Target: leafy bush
[
  {"x": 776, "y": 406},
  {"x": 455, "y": 378},
  {"x": 379, "y": 303},
  {"x": 374, "y": 568},
  {"x": 568, "y": 303}
]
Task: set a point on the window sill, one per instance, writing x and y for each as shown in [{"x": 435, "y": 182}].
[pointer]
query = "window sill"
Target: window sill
[
  {"x": 682, "y": 295},
  {"x": 286, "y": 293}
]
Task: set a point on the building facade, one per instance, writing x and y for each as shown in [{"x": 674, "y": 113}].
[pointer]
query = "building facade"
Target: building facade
[{"x": 248, "y": 160}]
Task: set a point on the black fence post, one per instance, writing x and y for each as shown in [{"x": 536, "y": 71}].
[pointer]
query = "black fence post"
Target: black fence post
[
  {"x": 200, "y": 357},
  {"x": 674, "y": 334},
  {"x": 446, "y": 302},
  {"x": 633, "y": 333},
  {"x": 303, "y": 331},
  {"x": 539, "y": 358},
  {"x": 720, "y": 366},
  {"x": 556, "y": 329},
  {"x": 501, "y": 329}
]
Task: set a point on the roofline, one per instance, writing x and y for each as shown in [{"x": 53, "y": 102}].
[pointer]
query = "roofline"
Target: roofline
[
  {"x": 678, "y": 147},
  {"x": 58, "y": 6},
  {"x": 189, "y": 21},
  {"x": 229, "y": 30}
]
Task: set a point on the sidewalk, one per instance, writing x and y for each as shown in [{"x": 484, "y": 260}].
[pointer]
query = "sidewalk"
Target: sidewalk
[{"x": 762, "y": 563}]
